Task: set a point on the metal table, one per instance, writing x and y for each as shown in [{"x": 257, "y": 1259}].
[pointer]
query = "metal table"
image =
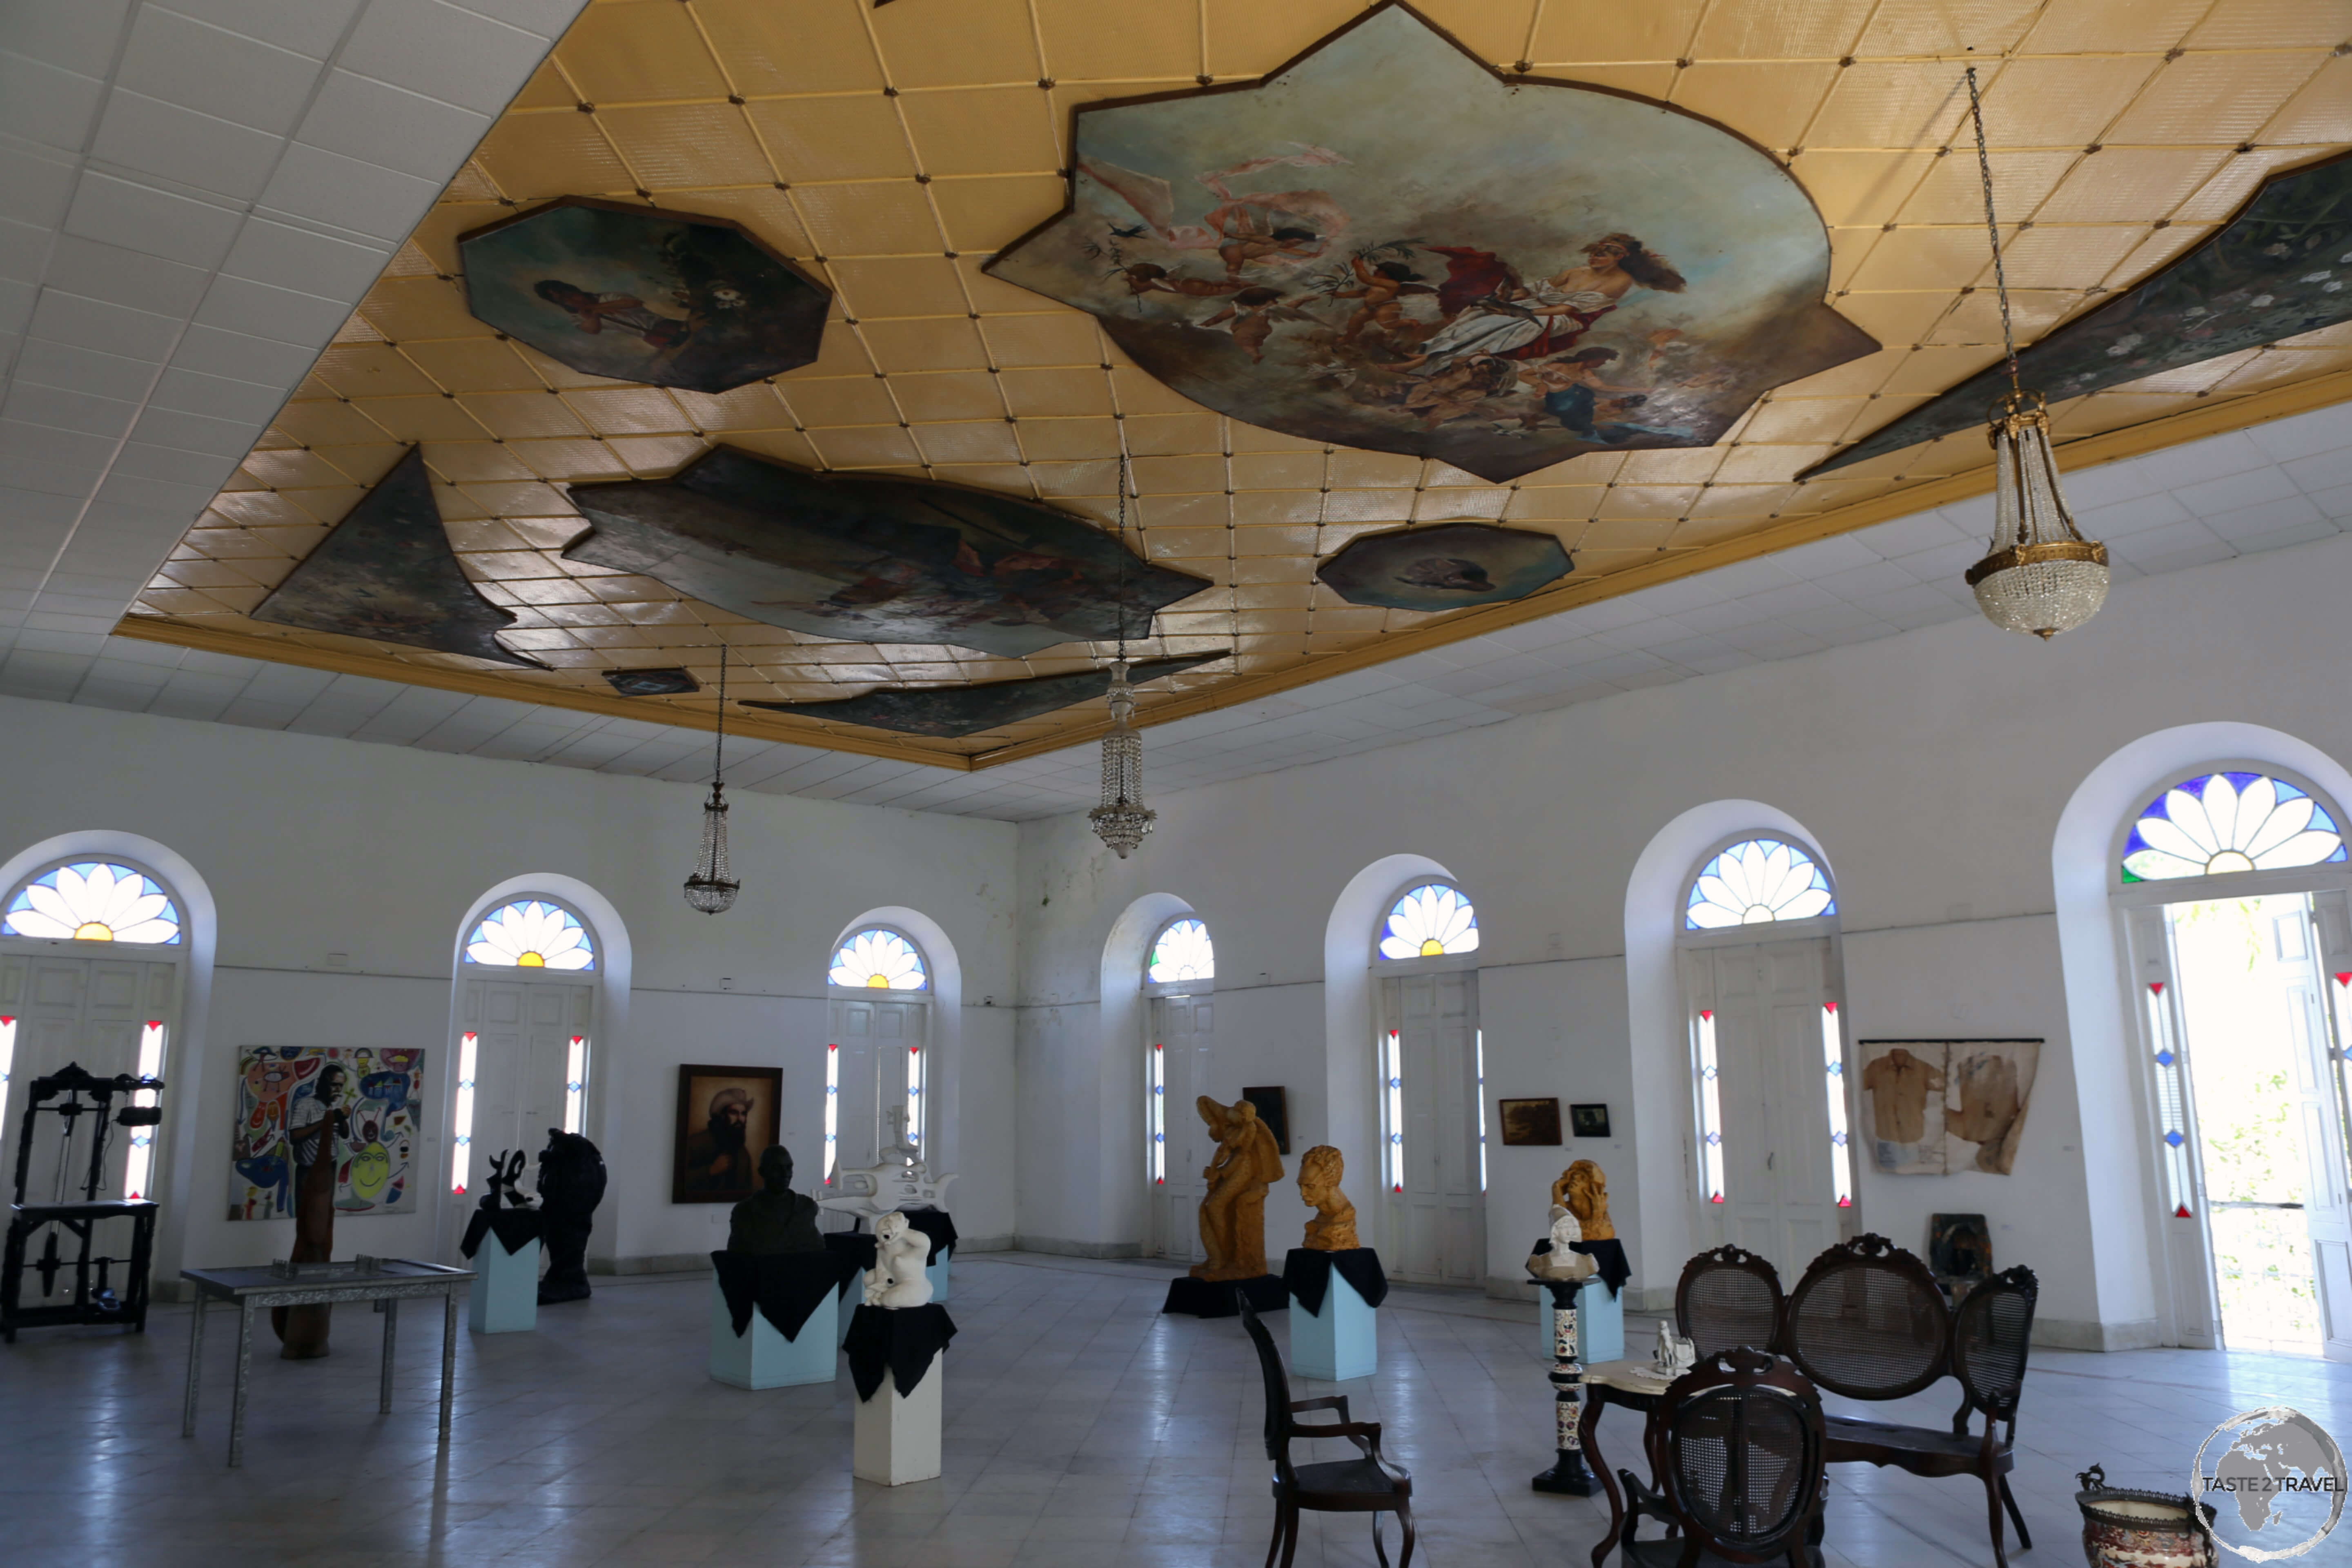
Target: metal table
[{"x": 387, "y": 1280}]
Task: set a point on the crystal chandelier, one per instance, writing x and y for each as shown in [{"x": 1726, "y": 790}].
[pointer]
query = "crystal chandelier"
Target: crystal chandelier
[
  {"x": 1122, "y": 819},
  {"x": 2043, "y": 576},
  {"x": 710, "y": 889}
]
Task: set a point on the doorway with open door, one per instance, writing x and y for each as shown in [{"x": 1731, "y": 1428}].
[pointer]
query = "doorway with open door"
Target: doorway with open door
[
  {"x": 1179, "y": 986},
  {"x": 877, "y": 1057},
  {"x": 1433, "y": 1206},
  {"x": 2238, "y": 895}
]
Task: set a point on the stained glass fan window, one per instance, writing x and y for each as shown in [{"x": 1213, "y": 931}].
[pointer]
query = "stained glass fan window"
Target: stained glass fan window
[
  {"x": 878, "y": 960},
  {"x": 531, "y": 933},
  {"x": 1433, "y": 920},
  {"x": 2228, "y": 822},
  {"x": 93, "y": 901},
  {"x": 1755, "y": 883},
  {"x": 1183, "y": 953}
]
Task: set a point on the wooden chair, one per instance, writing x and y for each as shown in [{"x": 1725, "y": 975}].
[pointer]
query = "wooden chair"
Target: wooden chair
[
  {"x": 1867, "y": 1321},
  {"x": 1729, "y": 1297},
  {"x": 1367, "y": 1484},
  {"x": 1737, "y": 1447}
]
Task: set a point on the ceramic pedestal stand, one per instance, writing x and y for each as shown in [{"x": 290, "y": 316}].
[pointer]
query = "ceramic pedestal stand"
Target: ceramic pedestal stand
[
  {"x": 1333, "y": 1333},
  {"x": 898, "y": 1360},
  {"x": 758, "y": 1354},
  {"x": 503, "y": 1246},
  {"x": 1568, "y": 1473},
  {"x": 1599, "y": 1323}
]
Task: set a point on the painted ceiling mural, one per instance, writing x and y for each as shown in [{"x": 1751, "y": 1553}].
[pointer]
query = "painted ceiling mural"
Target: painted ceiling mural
[
  {"x": 875, "y": 559},
  {"x": 1504, "y": 275},
  {"x": 1390, "y": 339}
]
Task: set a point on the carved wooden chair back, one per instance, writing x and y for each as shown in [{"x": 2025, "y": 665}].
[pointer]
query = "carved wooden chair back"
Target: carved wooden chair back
[
  {"x": 1278, "y": 1424},
  {"x": 1868, "y": 1323},
  {"x": 1990, "y": 1335},
  {"x": 1726, "y": 1298},
  {"x": 1737, "y": 1445}
]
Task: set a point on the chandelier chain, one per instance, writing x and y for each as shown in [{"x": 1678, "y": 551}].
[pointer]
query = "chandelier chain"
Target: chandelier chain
[{"x": 1993, "y": 231}]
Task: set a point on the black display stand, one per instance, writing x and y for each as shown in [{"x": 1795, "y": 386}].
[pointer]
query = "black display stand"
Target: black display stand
[
  {"x": 1215, "y": 1298},
  {"x": 100, "y": 1295},
  {"x": 1307, "y": 1272},
  {"x": 895, "y": 1342},
  {"x": 784, "y": 1287}
]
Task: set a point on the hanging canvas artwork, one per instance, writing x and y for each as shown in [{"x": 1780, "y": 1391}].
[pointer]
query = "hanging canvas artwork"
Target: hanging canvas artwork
[
  {"x": 1934, "y": 1107},
  {"x": 381, "y": 1097},
  {"x": 1385, "y": 244},
  {"x": 638, "y": 294},
  {"x": 952, "y": 712}
]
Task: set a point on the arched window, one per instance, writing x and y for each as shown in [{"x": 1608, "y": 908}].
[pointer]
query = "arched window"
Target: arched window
[
  {"x": 1182, "y": 951},
  {"x": 1755, "y": 882},
  {"x": 94, "y": 901},
  {"x": 2219, "y": 822},
  {"x": 531, "y": 933},
  {"x": 1433, "y": 920},
  {"x": 878, "y": 960}
]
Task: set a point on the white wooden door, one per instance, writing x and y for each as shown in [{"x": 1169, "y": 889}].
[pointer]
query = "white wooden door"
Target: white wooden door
[
  {"x": 876, "y": 1038},
  {"x": 75, "y": 1009},
  {"x": 2190, "y": 1300},
  {"x": 1779, "y": 1191},
  {"x": 2315, "y": 944},
  {"x": 522, "y": 1046},
  {"x": 1183, "y": 1029},
  {"x": 1437, "y": 1224}
]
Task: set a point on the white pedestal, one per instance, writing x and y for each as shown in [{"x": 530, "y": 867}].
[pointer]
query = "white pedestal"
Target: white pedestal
[
  {"x": 1599, "y": 1323},
  {"x": 896, "y": 1437},
  {"x": 505, "y": 1292},
  {"x": 1339, "y": 1342},
  {"x": 759, "y": 1357}
]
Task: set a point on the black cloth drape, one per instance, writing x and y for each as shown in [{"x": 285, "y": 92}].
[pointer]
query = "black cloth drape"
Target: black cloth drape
[
  {"x": 855, "y": 1249},
  {"x": 1308, "y": 1272},
  {"x": 1215, "y": 1298},
  {"x": 515, "y": 1229},
  {"x": 898, "y": 1340},
  {"x": 939, "y": 1225},
  {"x": 1613, "y": 1270},
  {"x": 785, "y": 1286}
]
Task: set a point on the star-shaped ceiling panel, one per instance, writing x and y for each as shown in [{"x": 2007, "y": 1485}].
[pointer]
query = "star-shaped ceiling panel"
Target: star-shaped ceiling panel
[{"x": 890, "y": 153}]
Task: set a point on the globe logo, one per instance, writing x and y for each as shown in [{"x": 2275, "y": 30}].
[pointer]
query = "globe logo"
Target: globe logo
[{"x": 2276, "y": 1480}]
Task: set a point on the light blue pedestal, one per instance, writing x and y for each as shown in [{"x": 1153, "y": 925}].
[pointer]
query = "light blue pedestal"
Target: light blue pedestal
[
  {"x": 1599, "y": 1323},
  {"x": 762, "y": 1358},
  {"x": 844, "y": 1302},
  {"x": 1338, "y": 1343},
  {"x": 505, "y": 1294},
  {"x": 937, "y": 1273}
]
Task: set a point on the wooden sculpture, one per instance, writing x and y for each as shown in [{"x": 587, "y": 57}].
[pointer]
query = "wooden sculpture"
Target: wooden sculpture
[
  {"x": 1333, "y": 1228},
  {"x": 322, "y": 1133},
  {"x": 1584, "y": 1192},
  {"x": 1232, "y": 1211}
]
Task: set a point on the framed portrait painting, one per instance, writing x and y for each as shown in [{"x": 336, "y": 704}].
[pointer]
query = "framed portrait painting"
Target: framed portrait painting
[{"x": 727, "y": 1117}]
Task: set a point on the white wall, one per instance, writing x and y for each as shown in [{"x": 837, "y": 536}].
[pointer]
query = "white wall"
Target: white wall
[
  {"x": 313, "y": 847},
  {"x": 1931, "y": 768}
]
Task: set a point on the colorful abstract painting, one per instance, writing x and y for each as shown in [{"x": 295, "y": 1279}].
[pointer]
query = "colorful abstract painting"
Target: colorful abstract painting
[
  {"x": 951, "y": 712},
  {"x": 2280, "y": 268},
  {"x": 638, "y": 294},
  {"x": 1448, "y": 567},
  {"x": 378, "y": 1163},
  {"x": 1387, "y": 245},
  {"x": 386, "y": 573},
  {"x": 875, "y": 558}
]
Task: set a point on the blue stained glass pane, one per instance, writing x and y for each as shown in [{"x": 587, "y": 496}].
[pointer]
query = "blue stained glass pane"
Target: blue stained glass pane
[
  {"x": 2164, "y": 1058},
  {"x": 1838, "y": 1139},
  {"x": 1160, "y": 1137},
  {"x": 1396, "y": 1137},
  {"x": 2175, "y": 1139},
  {"x": 2240, "y": 781},
  {"x": 1837, "y": 1070},
  {"x": 1715, "y": 1138}
]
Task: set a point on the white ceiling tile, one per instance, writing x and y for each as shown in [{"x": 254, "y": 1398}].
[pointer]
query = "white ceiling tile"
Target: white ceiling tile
[
  {"x": 188, "y": 392},
  {"x": 45, "y": 104},
  {"x": 153, "y": 137},
  {"x": 36, "y": 404},
  {"x": 241, "y": 357},
  {"x": 2292, "y": 510},
  {"x": 1909, "y": 535},
  {"x": 1823, "y": 556},
  {"x": 2175, "y": 466},
  {"x": 312, "y": 27},
  {"x": 24, "y": 249},
  {"x": 2181, "y": 560},
  {"x": 2159, "y": 542},
  {"x": 143, "y": 218},
  {"x": 227, "y": 439},
  {"x": 2322, "y": 470},
  {"x": 201, "y": 471},
  {"x": 110, "y": 329},
  {"x": 548, "y": 18},
  {"x": 2334, "y": 503},
  {"x": 378, "y": 123},
  {"x": 102, "y": 271},
  {"x": 2279, "y": 539},
  {"x": 2302, "y": 436},
  {"x": 84, "y": 370},
  {"x": 1861, "y": 582},
  {"x": 2232, "y": 491},
  {"x": 228, "y": 75},
  {"x": 261, "y": 311},
  {"x": 78, "y": 34},
  {"x": 2140, "y": 516},
  {"x": 367, "y": 198},
  {"x": 442, "y": 52},
  {"x": 296, "y": 259}
]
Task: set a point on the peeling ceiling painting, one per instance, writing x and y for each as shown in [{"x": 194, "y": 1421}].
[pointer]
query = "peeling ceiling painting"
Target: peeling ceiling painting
[
  {"x": 1445, "y": 567},
  {"x": 952, "y": 712},
  {"x": 387, "y": 572},
  {"x": 1387, "y": 245},
  {"x": 875, "y": 558}
]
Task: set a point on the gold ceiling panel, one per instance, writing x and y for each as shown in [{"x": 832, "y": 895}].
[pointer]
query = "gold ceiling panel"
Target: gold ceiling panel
[{"x": 890, "y": 150}]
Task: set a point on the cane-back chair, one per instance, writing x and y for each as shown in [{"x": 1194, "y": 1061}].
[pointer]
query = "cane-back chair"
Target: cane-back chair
[
  {"x": 1366, "y": 1484},
  {"x": 1726, "y": 1298},
  {"x": 1737, "y": 1445}
]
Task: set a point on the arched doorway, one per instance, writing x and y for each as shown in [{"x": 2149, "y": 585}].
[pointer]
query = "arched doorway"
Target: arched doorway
[
  {"x": 1429, "y": 1072},
  {"x": 1179, "y": 984},
  {"x": 527, "y": 975},
  {"x": 878, "y": 1065}
]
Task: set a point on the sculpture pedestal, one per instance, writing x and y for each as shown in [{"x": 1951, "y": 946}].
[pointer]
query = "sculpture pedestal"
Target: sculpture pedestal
[
  {"x": 759, "y": 1357},
  {"x": 1599, "y": 1320},
  {"x": 898, "y": 1362},
  {"x": 1338, "y": 1343},
  {"x": 854, "y": 1250},
  {"x": 1215, "y": 1298},
  {"x": 1569, "y": 1473},
  {"x": 505, "y": 1292},
  {"x": 937, "y": 1273}
]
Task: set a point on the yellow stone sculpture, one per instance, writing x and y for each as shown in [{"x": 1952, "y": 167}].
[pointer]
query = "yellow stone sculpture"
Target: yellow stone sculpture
[
  {"x": 1333, "y": 1228},
  {"x": 1583, "y": 1191},
  {"x": 1232, "y": 1211}
]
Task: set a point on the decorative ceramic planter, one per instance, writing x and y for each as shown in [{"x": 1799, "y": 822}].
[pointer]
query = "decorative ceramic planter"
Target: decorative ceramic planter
[{"x": 2127, "y": 1529}]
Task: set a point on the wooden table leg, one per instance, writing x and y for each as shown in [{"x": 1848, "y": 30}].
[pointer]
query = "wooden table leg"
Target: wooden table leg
[
  {"x": 391, "y": 1305},
  {"x": 448, "y": 1358},
  {"x": 196, "y": 1366},
  {"x": 244, "y": 1377},
  {"x": 1587, "y": 1430}
]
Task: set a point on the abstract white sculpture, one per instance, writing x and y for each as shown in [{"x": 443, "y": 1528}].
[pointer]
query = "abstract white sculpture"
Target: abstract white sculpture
[
  {"x": 900, "y": 1181},
  {"x": 896, "y": 1278}
]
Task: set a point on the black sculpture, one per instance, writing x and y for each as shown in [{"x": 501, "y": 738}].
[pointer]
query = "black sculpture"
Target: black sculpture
[
  {"x": 98, "y": 1294},
  {"x": 571, "y": 1185},
  {"x": 776, "y": 1218}
]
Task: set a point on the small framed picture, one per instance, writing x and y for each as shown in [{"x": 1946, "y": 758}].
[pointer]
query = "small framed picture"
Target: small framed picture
[
  {"x": 1273, "y": 1109},
  {"x": 1535, "y": 1122},
  {"x": 1588, "y": 1120},
  {"x": 727, "y": 1117}
]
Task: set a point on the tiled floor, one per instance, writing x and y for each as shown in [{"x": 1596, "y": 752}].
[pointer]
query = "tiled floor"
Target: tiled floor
[{"x": 1082, "y": 1429}]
